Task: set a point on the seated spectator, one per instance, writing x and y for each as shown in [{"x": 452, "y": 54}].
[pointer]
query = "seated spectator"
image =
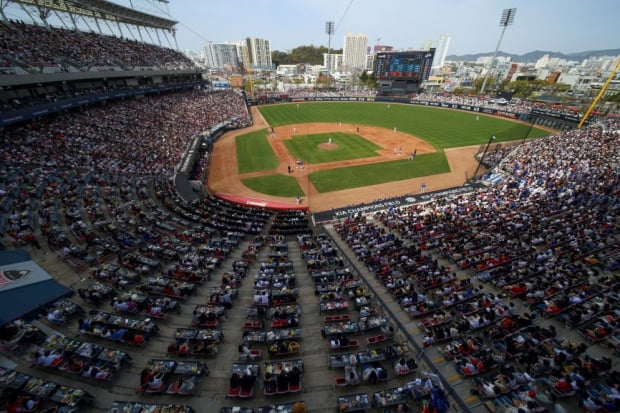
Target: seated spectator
[
  {"x": 103, "y": 373},
  {"x": 269, "y": 383},
  {"x": 247, "y": 382},
  {"x": 370, "y": 375},
  {"x": 76, "y": 365},
  {"x": 350, "y": 375},
  {"x": 401, "y": 368},
  {"x": 388, "y": 330},
  {"x": 118, "y": 335},
  {"x": 156, "y": 381},
  {"x": 56, "y": 316},
  {"x": 246, "y": 353},
  {"x": 137, "y": 340},
  {"x": 185, "y": 349},
  {"x": 122, "y": 306},
  {"x": 48, "y": 358},
  {"x": 294, "y": 376},
  {"x": 282, "y": 382},
  {"x": 188, "y": 386},
  {"x": 235, "y": 380}
]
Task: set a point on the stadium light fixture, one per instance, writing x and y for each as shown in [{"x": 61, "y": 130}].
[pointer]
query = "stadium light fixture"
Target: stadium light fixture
[
  {"x": 329, "y": 30},
  {"x": 508, "y": 17}
]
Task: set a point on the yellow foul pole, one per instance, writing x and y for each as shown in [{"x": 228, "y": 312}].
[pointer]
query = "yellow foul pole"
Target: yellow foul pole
[{"x": 600, "y": 93}]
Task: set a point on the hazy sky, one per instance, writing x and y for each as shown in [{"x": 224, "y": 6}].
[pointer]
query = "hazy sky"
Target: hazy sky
[{"x": 473, "y": 25}]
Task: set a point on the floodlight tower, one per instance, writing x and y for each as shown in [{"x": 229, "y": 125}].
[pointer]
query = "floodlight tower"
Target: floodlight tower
[
  {"x": 329, "y": 30},
  {"x": 508, "y": 17}
]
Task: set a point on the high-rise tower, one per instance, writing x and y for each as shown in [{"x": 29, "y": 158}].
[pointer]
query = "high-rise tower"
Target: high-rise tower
[
  {"x": 354, "y": 51},
  {"x": 442, "y": 51}
]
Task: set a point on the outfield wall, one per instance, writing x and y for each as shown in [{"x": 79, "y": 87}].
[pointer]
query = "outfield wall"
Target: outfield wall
[{"x": 558, "y": 121}]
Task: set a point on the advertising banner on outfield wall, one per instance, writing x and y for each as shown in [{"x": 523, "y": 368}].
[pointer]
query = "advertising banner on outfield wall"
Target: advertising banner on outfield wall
[
  {"x": 381, "y": 99},
  {"x": 350, "y": 211},
  {"x": 555, "y": 115}
]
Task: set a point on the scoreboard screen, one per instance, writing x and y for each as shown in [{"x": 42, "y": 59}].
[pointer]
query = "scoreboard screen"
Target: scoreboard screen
[{"x": 412, "y": 65}]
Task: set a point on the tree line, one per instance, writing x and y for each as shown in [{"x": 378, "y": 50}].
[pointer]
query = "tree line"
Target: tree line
[{"x": 302, "y": 54}]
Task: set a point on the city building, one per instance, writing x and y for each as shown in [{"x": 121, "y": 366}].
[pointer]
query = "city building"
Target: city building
[
  {"x": 486, "y": 60},
  {"x": 442, "y": 51},
  {"x": 354, "y": 51},
  {"x": 222, "y": 56},
  {"x": 370, "y": 61},
  {"x": 259, "y": 53},
  {"x": 332, "y": 62}
]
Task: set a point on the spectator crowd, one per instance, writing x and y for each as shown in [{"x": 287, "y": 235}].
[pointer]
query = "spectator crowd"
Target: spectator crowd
[
  {"x": 108, "y": 145},
  {"x": 34, "y": 47},
  {"x": 546, "y": 237}
]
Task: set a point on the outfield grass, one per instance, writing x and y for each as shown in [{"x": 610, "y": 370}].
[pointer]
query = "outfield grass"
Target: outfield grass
[
  {"x": 441, "y": 128},
  {"x": 254, "y": 153},
  {"x": 276, "y": 185},
  {"x": 350, "y": 146},
  {"x": 379, "y": 173}
]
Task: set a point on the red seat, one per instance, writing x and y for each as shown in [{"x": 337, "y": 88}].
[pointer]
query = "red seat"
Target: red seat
[
  {"x": 246, "y": 394},
  {"x": 157, "y": 390},
  {"x": 173, "y": 388},
  {"x": 294, "y": 388},
  {"x": 233, "y": 392},
  {"x": 64, "y": 366},
  {"x": 105, "y": 378},
  {"x": 340, "y": 382},
  {"x": 351, "y": 344},
  {"x": 209, "y": 324},
  {"x": 253, "y": 325},
  {"x": 279, "y": 323},
  {"x": 255, "y": 354},
  {"x": 337, "y": 318},
  {"x": 376, "y": 339}
]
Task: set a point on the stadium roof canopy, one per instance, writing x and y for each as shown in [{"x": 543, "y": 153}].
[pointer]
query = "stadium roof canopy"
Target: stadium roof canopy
[
  {"x": 25, "y": 287},
  {"x": 101, "y": 9}
]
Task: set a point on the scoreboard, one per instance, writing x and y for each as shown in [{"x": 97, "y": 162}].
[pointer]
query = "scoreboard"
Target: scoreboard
[{"x": 411, "y": 65}]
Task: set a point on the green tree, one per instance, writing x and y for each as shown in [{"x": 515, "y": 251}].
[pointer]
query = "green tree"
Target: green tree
[
  {"x": 249, "y": 87},
  {"x": 477, "y": 83},
  {"x": 302, "y": 54},
  {"x": 504, "y": 85},
  {"x": 368, "y": 80},
  {"x": 612, "y": 98},
  {"x": 280, "y": 57},
  {"x": 522, "y": 88},
  {"x": 559, "y": 87}
]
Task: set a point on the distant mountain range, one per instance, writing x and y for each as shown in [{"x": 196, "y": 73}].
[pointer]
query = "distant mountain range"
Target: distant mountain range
[{"x": 532, "y": 57}]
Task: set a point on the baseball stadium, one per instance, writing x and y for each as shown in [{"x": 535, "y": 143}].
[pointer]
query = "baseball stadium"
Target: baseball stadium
[{"x": 171, "y": 246}]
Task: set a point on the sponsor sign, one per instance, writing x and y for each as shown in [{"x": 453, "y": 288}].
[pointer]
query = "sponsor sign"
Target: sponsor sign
[{"x": 395, "y": 202}]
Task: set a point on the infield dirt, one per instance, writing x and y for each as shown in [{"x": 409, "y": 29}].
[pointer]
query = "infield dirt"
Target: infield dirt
[{"x": 224, "y": 176}]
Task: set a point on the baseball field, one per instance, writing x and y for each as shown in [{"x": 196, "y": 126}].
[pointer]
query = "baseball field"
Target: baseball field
[{"x": 332, "y": 154}]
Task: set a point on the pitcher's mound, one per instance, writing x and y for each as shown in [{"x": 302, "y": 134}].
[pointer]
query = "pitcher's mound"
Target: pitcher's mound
[{"x": 328, "y": 145}]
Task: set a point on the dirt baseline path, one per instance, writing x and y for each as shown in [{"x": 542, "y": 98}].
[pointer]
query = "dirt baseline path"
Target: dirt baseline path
[{"x": 224, "y": 176}]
